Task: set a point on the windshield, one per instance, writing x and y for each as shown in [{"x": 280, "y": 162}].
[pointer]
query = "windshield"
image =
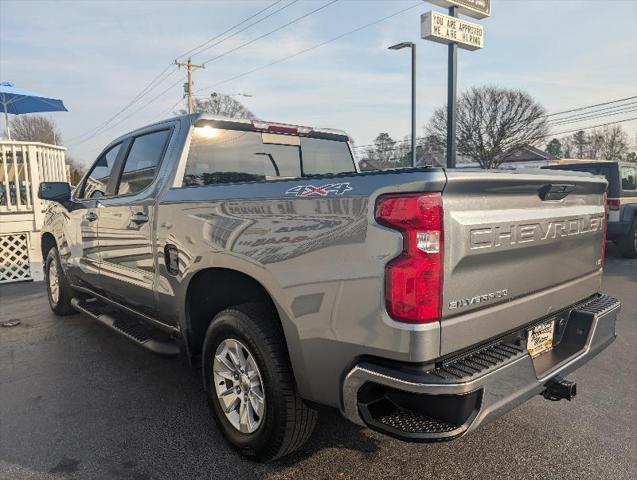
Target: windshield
[{"x": 227, "y": 156}]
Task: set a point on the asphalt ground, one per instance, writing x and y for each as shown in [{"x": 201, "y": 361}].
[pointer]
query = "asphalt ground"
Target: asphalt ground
[{"x": 79, "y": 401}]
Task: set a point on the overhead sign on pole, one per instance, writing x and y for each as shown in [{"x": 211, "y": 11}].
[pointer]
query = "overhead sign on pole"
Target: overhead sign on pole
[
  {"x": 445, "y": 29},
  {"x": 471, "y": 8}
]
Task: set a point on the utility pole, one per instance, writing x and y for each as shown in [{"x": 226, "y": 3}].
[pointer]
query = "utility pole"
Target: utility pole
[{"x": 190, "y": 67}]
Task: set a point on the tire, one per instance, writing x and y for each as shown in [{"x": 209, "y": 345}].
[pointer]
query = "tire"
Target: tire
[
  {"x": 58, "y": 290},
  {"x": 286, "y": 421},
  {"x": 628, "y": 243}
]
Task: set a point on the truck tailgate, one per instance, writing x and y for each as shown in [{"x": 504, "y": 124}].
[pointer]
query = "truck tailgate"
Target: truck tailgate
[{"x": 515, "y": 250}]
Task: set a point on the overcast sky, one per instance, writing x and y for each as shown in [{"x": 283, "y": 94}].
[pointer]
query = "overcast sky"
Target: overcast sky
[{"x": 97, "y": 55}]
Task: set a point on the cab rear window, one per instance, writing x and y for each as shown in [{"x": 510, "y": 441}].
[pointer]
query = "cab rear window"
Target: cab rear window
[
  {"x": 628, "y": 174},
  {"x": 228, "y": 156}
]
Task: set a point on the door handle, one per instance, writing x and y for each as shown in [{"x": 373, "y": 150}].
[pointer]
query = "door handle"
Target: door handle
[
  {"x": 90, "y": 217},
  {"x": 139, "y": 218}
]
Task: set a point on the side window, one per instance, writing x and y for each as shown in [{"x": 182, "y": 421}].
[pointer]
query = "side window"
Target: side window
[
  {"x": 96, "y": 181},
  {"x": 629, "y": 182},
  {"x": 142, "y": 161}
]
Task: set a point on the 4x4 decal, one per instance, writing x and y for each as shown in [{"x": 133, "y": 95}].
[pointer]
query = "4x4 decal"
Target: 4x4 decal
[{"x": 321, "y": 190}]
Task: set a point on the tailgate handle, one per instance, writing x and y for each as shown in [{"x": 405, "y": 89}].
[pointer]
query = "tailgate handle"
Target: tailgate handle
[{"x": 553, "y": 191}]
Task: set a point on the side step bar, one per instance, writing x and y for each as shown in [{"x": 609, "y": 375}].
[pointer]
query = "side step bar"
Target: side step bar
[{"x": 128, "y": 326}]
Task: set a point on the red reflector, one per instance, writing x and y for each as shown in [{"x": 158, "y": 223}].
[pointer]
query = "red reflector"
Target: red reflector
[
  {"x": 413, "y": 281},
  {"x": 613, "y": 204},
  {"x": 602, "y": 258}
]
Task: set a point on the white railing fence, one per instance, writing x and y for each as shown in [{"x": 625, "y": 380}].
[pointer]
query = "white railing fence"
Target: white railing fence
[{"x": 23, "y": 165}]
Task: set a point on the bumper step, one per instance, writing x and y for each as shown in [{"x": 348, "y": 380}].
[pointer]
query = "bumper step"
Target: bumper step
[
  {"x": 132, "y": 328},
  {"x": 405, "y": 420},
  {"x": 477, "y": 362}
]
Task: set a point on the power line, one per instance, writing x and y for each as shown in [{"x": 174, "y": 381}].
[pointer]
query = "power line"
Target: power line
[
  {"x": 593, "y": 117},
  {"x": 615, "y": 107},
  {"x": 204, "y": 46},
  {"x": 119, "y": 122},
  {"x": 593, "y": 126},
  {"x": 166, "y": 112},
  {"x": 398, "y": 143},
  {"x": 615, "y": 110},
  {"x": 592, "y": 106},
  {"x": 291, "y": 22},
  {"x": 314, "y": 47},
  {"x": 162, "y": 77},
  {"x": 149, "y": 87}
]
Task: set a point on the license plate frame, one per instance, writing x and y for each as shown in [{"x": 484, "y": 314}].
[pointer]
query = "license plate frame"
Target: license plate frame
[{"x": 540, "y": 338}]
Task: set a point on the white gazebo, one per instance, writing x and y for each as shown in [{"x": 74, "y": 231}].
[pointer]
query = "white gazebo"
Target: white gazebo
[{"x": 23, "y": 165}]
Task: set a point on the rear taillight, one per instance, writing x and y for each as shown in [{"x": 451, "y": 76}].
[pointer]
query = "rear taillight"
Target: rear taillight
[
  {"x": 602, "y": 258},
  {"x": 413, "y": 281},
  {"x": 613, "y": 204}
]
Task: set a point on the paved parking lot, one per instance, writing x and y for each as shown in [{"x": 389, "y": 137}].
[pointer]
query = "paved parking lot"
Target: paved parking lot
[{"x": 79, "y": 401}]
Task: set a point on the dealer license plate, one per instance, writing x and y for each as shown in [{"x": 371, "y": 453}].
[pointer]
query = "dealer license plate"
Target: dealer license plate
[{"x": 540, "y": 338}]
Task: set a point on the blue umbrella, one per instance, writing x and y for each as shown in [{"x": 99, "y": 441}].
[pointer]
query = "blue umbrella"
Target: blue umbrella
[{"x": 17, "y": 101}]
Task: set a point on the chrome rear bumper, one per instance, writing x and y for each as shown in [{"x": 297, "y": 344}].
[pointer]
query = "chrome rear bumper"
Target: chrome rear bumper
[{"x": 473, "y": 389}]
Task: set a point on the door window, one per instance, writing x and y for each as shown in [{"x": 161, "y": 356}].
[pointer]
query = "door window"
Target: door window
[
  {"x": 96, "y": 182},
  {"x": 629, "y": 182},
  {"x": 142, "y": 162}
]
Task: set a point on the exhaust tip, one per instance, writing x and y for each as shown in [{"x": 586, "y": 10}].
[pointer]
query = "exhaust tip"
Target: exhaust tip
[{"x": 559, "y": 388}]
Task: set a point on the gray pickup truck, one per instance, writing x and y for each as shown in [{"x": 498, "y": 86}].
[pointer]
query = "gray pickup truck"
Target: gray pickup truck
[{"x": 421, "y": 303}]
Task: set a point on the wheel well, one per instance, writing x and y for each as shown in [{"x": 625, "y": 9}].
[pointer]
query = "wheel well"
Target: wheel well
[
  {"x": 213, "y": 290},
  {"x": 48, "y": 242}
]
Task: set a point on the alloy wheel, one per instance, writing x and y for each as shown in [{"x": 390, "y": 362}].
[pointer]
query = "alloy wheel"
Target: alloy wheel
[
  {"x": 239, "y": 386},
  {"x": 54, "y": 281}
]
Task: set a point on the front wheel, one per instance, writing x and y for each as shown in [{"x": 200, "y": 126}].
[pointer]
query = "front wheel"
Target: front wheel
[
  {"x": 249, "y": 384},
  {"x": 628, "y": 243},
  {"x": 57, "y": 287}
]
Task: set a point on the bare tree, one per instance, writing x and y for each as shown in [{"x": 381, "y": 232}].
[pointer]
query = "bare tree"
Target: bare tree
[
  {"x": 493, "y": 123},
  {"x": 580, "y": 143},
  {"x": 76, "y": 169},
  {"x": 35, "y": 128},
  {"x": 219, "y": 104},
  {"x": 385, "y": 152},
  {"x": 615, "y": 145},
  {"x": 594, "y": 144},
  {"x": 608, "y": 143}
]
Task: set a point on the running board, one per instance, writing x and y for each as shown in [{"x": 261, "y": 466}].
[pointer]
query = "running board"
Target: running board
[{"x": 128, "y": 326}]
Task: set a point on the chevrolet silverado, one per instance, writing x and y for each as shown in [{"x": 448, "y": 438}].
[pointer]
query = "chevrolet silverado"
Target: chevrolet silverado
[{"x": 421, "y": 303}]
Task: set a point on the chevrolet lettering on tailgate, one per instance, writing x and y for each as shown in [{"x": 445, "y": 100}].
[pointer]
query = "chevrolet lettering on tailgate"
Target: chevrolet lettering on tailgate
[{"x": 514, "y": 234}]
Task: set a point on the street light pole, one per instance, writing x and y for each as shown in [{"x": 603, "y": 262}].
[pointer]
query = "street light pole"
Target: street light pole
[
  {"x": 412, "y": 46},
  {"x": 452, "y": 85}
]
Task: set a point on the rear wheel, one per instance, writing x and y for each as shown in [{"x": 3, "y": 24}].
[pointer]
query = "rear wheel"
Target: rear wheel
[
  {"x": 57, "y": 287},
  {"x": 628, "y": 243},
  {"x": 249, "y": 384}
]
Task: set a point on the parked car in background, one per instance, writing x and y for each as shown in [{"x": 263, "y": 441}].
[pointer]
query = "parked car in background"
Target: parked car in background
[
  {"x": 421, "y": 303},
  {"x": 622, "y": 199}
]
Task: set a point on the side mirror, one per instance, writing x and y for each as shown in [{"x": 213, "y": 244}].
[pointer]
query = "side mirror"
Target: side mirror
[{"x": 55, "y": 191}]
